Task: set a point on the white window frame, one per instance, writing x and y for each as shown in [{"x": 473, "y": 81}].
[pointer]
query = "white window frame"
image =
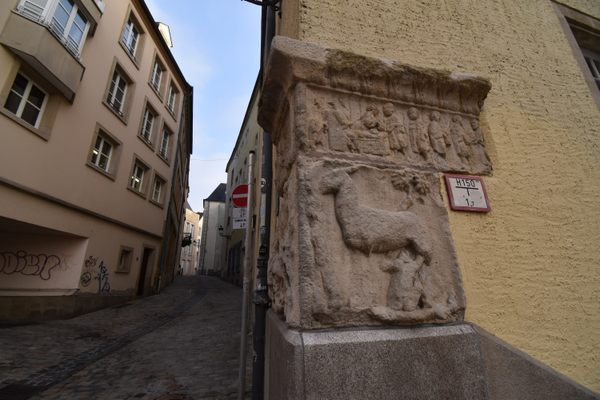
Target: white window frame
[
  {"x": 128, "y": 36},
  {"x": 97, "y": 152},
  {"x": 25, "y": 100},
  {"x": 156, "y": 76},
  {"x": 171, "y": 98},
  {"x": 46, "y": 16},
  {"x": 111, "y": 99},
  {"x": 146, "y": 131},
  {"x": 157, "y": 197},
  {"x": 136, "y": 181},
  {"x": 592, "y": 60},
  {"x": 165, "y": 140}
]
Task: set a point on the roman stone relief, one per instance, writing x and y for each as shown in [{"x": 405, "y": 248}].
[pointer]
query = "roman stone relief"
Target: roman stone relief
[
  {"x": 397, "y": 132},
  {"x": 361, "y": 233},
  {"x": 372, "y": 247}
]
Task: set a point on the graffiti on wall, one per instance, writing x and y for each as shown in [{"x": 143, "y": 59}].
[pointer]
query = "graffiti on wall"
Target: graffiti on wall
[
  {"x": 103, "y": 285},
  {"x": 21, "y": 262},
  {"x": 93, "y": 271}
]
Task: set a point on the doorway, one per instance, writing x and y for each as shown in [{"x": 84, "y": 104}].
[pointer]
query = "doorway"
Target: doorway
[{"x": 143, "y": 270}]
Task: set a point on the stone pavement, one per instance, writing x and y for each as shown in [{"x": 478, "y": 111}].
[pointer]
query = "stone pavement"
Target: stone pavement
[{"x": 182, "y": 344}]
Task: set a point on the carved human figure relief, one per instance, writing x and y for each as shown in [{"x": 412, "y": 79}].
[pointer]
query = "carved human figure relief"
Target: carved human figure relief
[
  {"x": 477, "y": 144},
  {"x": 458, "y": 134},
  {"x": 436, "y": 134},
  {"x": 405, "y": 289},
  {"x": 418, "y": 135},
  {"x": 367, "y": 133},
  {"x": 394, "y": 127},
  {"x": 372, "y": 230},
  {"x": 337, "y": 123}
]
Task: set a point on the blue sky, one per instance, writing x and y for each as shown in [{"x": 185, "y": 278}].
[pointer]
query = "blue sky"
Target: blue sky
[{"x": 217, "y": 46}]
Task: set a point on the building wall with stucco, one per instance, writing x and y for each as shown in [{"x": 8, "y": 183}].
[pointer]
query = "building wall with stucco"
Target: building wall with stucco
[
  {"x": 530, "y": 266},
  {"x": 71, "y": 224}
]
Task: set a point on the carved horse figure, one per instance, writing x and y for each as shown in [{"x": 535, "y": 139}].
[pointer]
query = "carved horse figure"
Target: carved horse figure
[{"x": 372, "y": 230}]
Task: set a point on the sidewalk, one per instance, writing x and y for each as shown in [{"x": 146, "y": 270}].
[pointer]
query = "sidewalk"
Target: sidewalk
[{"x": 182, "y": 344}]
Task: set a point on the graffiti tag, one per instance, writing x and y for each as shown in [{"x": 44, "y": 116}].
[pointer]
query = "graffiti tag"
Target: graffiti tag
[
  {"x": 102, "y": 277},
  {"x": 21, "y": 262}
]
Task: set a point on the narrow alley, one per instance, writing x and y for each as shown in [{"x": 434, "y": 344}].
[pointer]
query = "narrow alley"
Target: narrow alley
[{"x": 181, "y": 344}]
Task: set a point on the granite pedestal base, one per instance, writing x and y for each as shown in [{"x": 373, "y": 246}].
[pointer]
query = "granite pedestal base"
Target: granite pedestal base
[{"x": 453, "y": 362}]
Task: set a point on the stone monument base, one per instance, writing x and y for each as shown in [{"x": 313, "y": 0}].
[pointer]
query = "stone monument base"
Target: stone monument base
[{"x": 451, "y": 362}]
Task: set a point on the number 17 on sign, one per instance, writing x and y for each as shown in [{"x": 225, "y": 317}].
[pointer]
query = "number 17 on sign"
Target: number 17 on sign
[{"x": 467, "y": 193}]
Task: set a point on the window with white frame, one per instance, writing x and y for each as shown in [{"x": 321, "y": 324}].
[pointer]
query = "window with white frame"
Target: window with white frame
[
  {"x": 117, "y": 92},
  {"x": 157, "y": 190},
  {"x": 156, "y": 76},
  {"x": 63, "y": 17},
  {"x": 164, "y": 143},
  {"x": 148, "y": 124},
  {"x": 592, "y": 60},
  {"x": 102, "y": 152},
  {"x": 136, "y": 181},
  {"x": 26, "y": 100},
  {"x": 171, "y": 98},
  {"x": 131, "y": 37}
]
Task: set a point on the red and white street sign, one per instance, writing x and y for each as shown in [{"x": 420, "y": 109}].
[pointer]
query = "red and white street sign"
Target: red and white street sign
[{"x": 239, "y": 196}]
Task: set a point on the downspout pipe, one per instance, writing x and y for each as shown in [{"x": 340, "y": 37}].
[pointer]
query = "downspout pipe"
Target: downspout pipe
[
  {"x": 261, "y": 295},
  {"x": 248, "y": 256}
]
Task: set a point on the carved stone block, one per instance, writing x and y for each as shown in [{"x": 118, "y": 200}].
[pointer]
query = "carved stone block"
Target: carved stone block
[
  {"x": 361, "y": 234},
  {"x": 362, "y": 245}
]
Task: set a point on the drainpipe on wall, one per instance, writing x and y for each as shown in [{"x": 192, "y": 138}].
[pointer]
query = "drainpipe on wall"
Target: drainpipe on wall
[
  {"x": 248, "y": 255},
  {"x": 261, "y": 295}
]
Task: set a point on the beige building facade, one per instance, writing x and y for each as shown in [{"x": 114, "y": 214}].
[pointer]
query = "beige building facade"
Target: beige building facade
[
  {"x": 96, "y": 137},
  {"x": 529, "y": 267},
  {"x": 213, "y": 240},
  {"x": 192, "y": 234},
  {"x": 249, "y": 140}
]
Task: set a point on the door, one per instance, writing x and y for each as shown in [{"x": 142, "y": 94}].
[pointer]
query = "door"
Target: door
[{"x": 143, "y": 269}]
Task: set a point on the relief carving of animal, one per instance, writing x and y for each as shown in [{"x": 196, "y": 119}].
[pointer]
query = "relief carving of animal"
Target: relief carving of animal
[{"x": 372, "y": 230}]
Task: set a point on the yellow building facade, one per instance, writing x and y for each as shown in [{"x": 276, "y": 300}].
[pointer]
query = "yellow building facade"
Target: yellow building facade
[{"x": 530, "y": 266}]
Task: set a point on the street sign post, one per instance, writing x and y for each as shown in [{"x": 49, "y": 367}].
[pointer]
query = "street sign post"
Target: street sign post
[
  {"x": 239, "y": 196},
  {"x": 239, "y": 218}
]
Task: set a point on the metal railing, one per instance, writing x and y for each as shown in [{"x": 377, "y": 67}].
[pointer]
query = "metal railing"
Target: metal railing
[{"x": 35, "y": 13}]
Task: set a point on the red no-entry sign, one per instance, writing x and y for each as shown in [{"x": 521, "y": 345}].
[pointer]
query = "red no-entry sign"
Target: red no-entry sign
[{"x": 239, "y": 196}]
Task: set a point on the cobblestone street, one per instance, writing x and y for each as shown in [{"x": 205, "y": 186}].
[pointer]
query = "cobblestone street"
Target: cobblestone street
[{"x": 179, "y": 345}]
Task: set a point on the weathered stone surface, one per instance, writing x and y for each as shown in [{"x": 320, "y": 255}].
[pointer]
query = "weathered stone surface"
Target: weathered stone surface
[
  {"x": 457, "y": 362},
  {"x": 341, "y": 124},
  {"x": 343, "y": 102},
  {"x": 361, "y": 233},
  {"x": 419, "y": 363},
  {"x": 363, "y": 245}
]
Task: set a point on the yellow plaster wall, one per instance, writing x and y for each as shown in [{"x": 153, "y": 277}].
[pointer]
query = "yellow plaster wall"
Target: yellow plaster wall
[{"x": 531, "y": 267}]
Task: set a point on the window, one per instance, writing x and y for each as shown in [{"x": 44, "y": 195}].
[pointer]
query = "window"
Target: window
[
  {"x": 102, "y": 153},
  {"x": 125, "y": 256},
  {"x": 117, "y": 92},
  {"x": 148, "y": 124},
  {"x": 583, "y": 35},
  {"x": 156, "y": 76},
  {"x": 63, "y": 17},
  {"x": 26, "y": 100},
  {"x": 157, "y": 190},
  {"x": 593, "y": 62},
  {"x": 164, "y": 144},
  {"x": 139, "y": 176},
  {"x": 171, "y": 98},
  {"x": 131, "y": 36}
]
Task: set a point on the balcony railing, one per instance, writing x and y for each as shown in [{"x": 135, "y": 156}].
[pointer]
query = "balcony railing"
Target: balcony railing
[
  {"x": 35, "y": 13},
  {"x": 187, "y": 239}
]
